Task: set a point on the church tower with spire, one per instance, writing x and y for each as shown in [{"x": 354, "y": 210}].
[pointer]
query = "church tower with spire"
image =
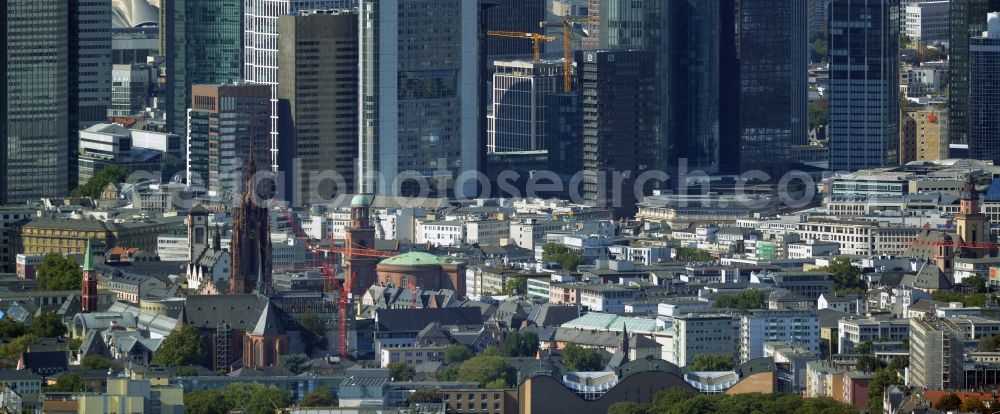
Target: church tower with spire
[
  {"x": 251, "y": 244},
  {"x": 88, "y": 294}
]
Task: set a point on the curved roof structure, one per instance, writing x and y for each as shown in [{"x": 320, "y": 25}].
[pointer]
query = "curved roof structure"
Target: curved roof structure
[
  {"x": 416, "y": 259},
  {"x": 134, "y": 13}
]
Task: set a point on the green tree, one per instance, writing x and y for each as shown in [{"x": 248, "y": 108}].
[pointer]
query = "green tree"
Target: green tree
[
  {"x": 47, "y": 325},
  {"x": 948, "y": 402},
  {"x": 319, "y": 398},
  {"x": 10, "y": 328},
  {"x": 57, "y": 273},
  {"x": 870, "y": 363},
  {"x": 974, "y": 405},
  {"x": 14, "y": 349},
  {"x": 864, "y": 348},
  {"x": 876, "y": 388},
  {"x": 968, "y": 300},
  {"x": 688, "y": 254},
  {"x": 991, "y": 344},
  {"x": 456, "y": 353},
  {"x": 578, "y": 358},
  {"x": 488, "y": 371},
  {"x": 96, "y": 362},
  {"x": 975, "y": 284},
  {"x": 297, "y": 363},
  {"x": 205, "y": 402},
  {"x": 819, "y": 113},
  {"x": 749, "y": 299},
  {"x": 846, "y": 277},
  {"x": 516, "y": 286},
  {"x": 568, "y": 259},
  {"x": 899, "y": 362},
  {"x": 707, "y": 362},
  {"x": 187, "y": 372},
  {"x": 401, "y": 371},
  {"x": 820, "y": 48},
  {"x": 517, "y": 344},
  {"x": 183, "y": 346},
  {"x": 255, "y": 398},
  {"x": 628, "y": 407},
  {"x": 450, "y": 373},
  {"x": 425, "y": 397},
  {"x": 314, "y": 334},
  {"x": 93, "y": 187},
  {"x": 69, "y": 383}
]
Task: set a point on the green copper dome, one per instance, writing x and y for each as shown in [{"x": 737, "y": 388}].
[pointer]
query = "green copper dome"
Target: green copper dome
[
  {"x": 416, "y": 259},
  {"x": 360, "y": 200}
]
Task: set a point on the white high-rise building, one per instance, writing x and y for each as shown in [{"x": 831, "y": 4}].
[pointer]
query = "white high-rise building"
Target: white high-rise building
[
  {"x": 260, "y": 46},
  {"x": 420, "y": 97}
]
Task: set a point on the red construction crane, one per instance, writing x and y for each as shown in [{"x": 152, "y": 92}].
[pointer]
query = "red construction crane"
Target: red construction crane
[
  {"x": 413, "y": 294},
  {"x": 959, "y": 244},
  {"x": 330, "y": 283}
]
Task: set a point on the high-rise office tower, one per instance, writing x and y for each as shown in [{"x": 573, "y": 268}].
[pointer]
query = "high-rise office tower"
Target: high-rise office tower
[
  {"x": 702, "y": 93},
  {"x": 773, "y": 82},
  {"x": 619, "y": 112},
  {"x": 864, "y": 84},
  {"x": 204, "y": 42},
  {"x": 260, "y": 49},
  {"x": 625, "y": 24},
  {"x": 318, "y": 102},
  {"x": 968, "y": 20},
  {"x": 36, "y": 124},
  {"x": 984, "y": 97},
  {"x": 225, "y": 123},
  {"x": 513, "y": 16},
  {"x": 521, "y": 89},
  {"x": 91, "y": 58},
  {"x": 420, "y": 95}
]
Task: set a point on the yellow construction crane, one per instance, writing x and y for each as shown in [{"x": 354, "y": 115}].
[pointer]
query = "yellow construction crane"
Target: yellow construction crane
[
  {"x": 567, "y": 47},
  {"x": 536, "y": 37}
]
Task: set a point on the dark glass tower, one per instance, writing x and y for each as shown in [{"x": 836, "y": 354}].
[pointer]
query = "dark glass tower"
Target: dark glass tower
[
  {"x": 619, "y": 109},
  {"x": 36, "y": 123},
  {"x": 702, "y": 87},
  {"x": 514, "y": 16},
  {"x": 984, "y": 87},
  {"x": 773, "y": 83},
  {"x": 864, "y": 84},
  {"x": 204, "y": 41},
  {"x": 968, "y": 20}
]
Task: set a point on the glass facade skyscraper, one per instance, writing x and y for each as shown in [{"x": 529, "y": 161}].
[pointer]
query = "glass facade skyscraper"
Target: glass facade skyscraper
[
  {"x": 773, "y": 82},
  {"x": 204, "y": 42},
  {"x": 968, "y": 20},
  {"x": 619, "y": 109},
  {"x": 36, "y": 96},
  {"x": 513, "y": 16},
  {"x": 864, "y": 84},
  {"x": 420, "y": 95},
  {"x": 702, "y": 93},
  {"x": 984, "y": 97}
]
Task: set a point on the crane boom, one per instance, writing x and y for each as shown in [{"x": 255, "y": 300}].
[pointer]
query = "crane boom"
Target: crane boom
[
  {"x": 536, "y": 37},
  {"x": 567, "y": 47}
]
